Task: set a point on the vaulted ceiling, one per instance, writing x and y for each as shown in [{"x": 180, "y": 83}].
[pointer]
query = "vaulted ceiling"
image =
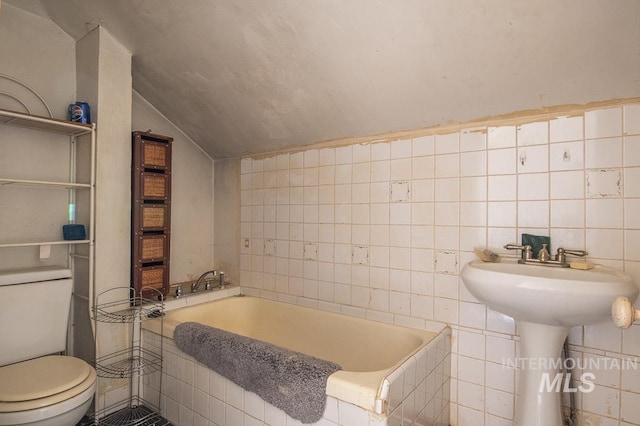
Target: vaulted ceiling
[{"x": 251, "y": 76}]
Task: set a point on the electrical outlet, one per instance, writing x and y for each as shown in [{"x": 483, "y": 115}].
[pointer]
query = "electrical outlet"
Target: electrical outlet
[{"x": 246, "y": 243}]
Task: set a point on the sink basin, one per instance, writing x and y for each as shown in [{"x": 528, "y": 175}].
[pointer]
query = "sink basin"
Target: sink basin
[
  {"x": 545, "y": 303},
  {"x": 547, "y": 295}
]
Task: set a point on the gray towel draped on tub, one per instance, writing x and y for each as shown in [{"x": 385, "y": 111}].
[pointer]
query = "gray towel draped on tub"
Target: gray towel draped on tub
[{"x": 292, "y": 381}]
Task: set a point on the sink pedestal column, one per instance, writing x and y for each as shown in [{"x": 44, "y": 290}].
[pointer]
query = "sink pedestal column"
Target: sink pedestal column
[{"x": 540, "y": 350}]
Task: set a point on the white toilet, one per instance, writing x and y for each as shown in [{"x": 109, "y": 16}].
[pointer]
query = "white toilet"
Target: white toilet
[{"x": 38, "y": 386}]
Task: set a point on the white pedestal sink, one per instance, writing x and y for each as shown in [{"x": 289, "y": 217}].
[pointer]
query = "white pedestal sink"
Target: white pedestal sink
[{"x": 545, "y": 303}]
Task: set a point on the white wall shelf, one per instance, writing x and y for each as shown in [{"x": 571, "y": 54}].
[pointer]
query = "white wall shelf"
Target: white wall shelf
[
  {"x": 80, "y": 161},
  {"x": 73, "y": 130},
  {"x": 44, "y": 123},
  {"x": 43, "y": 183},
  {"x": 44, "y": 243}
]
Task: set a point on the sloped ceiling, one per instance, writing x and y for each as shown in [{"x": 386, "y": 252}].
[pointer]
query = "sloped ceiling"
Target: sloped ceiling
[{"x": 252, "y": 76}]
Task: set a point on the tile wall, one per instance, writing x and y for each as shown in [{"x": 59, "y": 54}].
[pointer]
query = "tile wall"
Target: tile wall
[{"x": 382, "y": 230}]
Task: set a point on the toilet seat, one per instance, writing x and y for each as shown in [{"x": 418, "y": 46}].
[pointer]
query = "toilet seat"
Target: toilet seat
[{"x": 42, "y": 382}]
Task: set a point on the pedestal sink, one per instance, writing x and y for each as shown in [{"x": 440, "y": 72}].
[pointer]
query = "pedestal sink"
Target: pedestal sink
[{"x": 545, "y": 303}]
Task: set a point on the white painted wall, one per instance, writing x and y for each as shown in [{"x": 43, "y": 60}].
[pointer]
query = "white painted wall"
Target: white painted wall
[
  {"x": 104, "y": 80},
  {"x": 227, "y": 218},
  {"x": 50, "y": 52},
  {"x": 27, "y": 38}
]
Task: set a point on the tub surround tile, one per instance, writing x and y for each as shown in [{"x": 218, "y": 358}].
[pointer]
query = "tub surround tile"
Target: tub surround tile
[
  {"x": 533, "y": 186},
  {"x": 565, "y": 129},
  {"x": 471, "y": 370},
  {"x": 567, "y": 185},
  {"x": 502, "y": 161},
  {"x": 380, "y": 151},
  {"x": 419, "y": 389},
  {"x": 401, "y": 149},
  {"x": 501, "y": 137},
  {"x": 447, "y": 144},
  {"x": 502, "y": 188},
  {"x": 533, "y": 133},
  {"x": 603, "y": 123},
  {"x": 472, "y": 315},
  {"x": 473, "y": 163},
  {"x": 631, "y": 119},
  {"x": 604, "y": 183},
  {"x": 474, "y": 139},
  {"x": 400, "y": 169},
  {"x": 399, "y": 192},
  {"x": 424, "y": 145},
  {"x": 533, "y": 159},
  {"x": 447, "y": 165},
  {"x": 500, "y": 404},
  {"x": 500, "y": 377},
  {"x": 215, "y": 294},
  {"x": 502, "y": 214},
  {"x": 603, "y": 153},
  {"x": 604, "y": 213},
  {"x": 423, "y": 167},
  {"x": 533, "y": 214},
  {"x": 469, "y": 416},
  {"x": 481, "y": 186},
  {"x": 605, "y": 243},
  {"x": 417, "y": 392},
  {"x": 567, "y": 214}
]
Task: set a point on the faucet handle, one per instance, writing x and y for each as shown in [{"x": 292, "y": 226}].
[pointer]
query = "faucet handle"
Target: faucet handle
[
  {"x": 515, "y": 247},
  {"x": 527, "y": 251},
  {"x": 579, "y": 253},
  {"x": 561, "y": 256}
]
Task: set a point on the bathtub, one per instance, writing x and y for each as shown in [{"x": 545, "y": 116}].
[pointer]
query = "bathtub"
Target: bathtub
[{"x": 373, "y": 355}]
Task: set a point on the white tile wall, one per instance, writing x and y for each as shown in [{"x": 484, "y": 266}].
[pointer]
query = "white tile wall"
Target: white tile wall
[{"x": 575, "y": 178}]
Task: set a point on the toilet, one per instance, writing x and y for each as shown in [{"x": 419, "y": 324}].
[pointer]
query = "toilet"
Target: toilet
[{"x": 38, "y": 385}]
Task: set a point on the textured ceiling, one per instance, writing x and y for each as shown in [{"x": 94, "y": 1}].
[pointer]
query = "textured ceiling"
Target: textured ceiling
[{"x": 251, "y": 76}]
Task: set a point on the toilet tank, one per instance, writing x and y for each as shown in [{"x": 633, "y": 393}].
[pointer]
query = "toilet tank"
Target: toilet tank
[{"x": 34, "y": 312}]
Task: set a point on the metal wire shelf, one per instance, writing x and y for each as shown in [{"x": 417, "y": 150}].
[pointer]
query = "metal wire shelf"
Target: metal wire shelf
[
  {"x": 134, "y": 414},
  {"x": 128, "y": 310},
  {"x": 127, "y": 363},
  {"x": 131, "y": 363}
]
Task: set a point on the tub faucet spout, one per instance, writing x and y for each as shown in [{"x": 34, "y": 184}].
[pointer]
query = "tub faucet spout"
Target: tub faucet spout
[{"x": 196, "y": 285}]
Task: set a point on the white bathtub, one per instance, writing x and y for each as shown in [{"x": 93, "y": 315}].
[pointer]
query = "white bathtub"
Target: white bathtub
[{"x": 371, "y": 353}]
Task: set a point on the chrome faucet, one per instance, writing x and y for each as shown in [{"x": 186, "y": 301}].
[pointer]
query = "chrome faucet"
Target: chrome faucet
[
  {"x": 543, "y": 254},
  {"x": 197, "y": 283},
  {"x": 544, "y": 258}
]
